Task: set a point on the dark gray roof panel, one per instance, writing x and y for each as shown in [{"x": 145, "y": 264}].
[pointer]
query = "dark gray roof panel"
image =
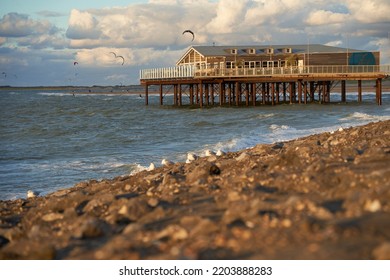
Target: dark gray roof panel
[{"x": 243, "y": 50}]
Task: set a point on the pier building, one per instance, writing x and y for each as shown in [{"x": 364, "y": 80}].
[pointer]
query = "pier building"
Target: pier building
[{"x": 259, "y": 75}]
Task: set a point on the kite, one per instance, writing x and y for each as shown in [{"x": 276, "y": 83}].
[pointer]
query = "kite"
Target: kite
[
  {"x": 116, "y": 56},
  {"x": 189, "y": 31},
  {"x": 123, "y": 59},
  {"x": 74, "y": 63}
]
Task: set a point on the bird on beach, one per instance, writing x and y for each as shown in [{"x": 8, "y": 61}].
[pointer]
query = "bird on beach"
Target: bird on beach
[
  {"x": 220, "y": 153},
  {"x": 191, "y": 157},
  {"x": 209, "y": 153},
  {"x": 151, "y": 167},
  {"x": 166, "y": 162},
  {"x": 32, "y": 194}
]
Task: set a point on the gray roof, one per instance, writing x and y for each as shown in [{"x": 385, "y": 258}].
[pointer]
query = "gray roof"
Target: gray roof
[{"x": 313, "y": 48}]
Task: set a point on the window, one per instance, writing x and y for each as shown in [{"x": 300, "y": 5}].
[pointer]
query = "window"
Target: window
[
  {"x": 233, "y": 51},
  {"x": 270, "y": 51},
  {"x": 287, "y": 50},
  {"x": 251, "y": 51},
  {"x": 230, "y": 64}
]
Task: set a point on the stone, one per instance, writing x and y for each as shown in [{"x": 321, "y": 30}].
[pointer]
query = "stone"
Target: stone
[{"x": 382, "y": 252}]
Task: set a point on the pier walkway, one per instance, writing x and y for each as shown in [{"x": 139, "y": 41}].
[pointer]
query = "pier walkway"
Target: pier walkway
[{"x": 263, "y": 85}]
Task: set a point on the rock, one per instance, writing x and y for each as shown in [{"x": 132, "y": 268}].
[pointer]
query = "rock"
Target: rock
[
  {"x": 91, "y": 228},
  {"x": 243, "y": 156},
  {"x": 214, "y": 170},
  {"x": 3, "y": 241},
  {"x": 153, "y": 202},
  {"x": 382, "y": 252},
  {"x": 52, "y": 217}
]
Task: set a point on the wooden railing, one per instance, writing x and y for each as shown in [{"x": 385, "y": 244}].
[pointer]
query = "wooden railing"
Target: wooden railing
[{"x": 189, "y": 71}]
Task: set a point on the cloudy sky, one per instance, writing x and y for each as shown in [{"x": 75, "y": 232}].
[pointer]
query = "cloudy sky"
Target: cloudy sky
[{"x": 41, "y": 39}]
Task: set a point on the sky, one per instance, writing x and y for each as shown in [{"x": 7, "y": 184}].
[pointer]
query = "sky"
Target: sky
[{"x": 40, "y": 40}]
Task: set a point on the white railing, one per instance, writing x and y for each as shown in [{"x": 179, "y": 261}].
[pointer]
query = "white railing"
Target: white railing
[
  {"x": 189, "y": 71},
  {"x": 178, "y": 72}
]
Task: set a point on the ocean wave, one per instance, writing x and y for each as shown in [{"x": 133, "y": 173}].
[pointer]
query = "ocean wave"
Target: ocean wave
[
  {"x": 265, "y": 116},
  {"x": 365, "y": 117}
]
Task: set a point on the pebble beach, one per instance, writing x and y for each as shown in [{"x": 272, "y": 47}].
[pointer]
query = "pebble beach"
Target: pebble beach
[{"x": 324, "y": 196}]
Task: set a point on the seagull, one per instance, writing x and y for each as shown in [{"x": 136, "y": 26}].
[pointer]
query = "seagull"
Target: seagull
[
  {"x": 151, "y": 167},
  {"x": 209, "y": 153},
  {"x": 220, "y": 153},
  {"x": 166, "y": 162},
  {"x": 31, "y": 194},
  {"x": 191, "y": 157}
]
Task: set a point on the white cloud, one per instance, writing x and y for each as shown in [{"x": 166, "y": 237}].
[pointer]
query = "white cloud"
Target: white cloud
[
  {"x": 370, "y": 11},
  {"x": 20, "y": 25},
  {"x": 322, "y": 17},
  {"x": 82, "y": 25},
  {"x": 229, "y": 15},
  {"x": 149, "y": 34}
]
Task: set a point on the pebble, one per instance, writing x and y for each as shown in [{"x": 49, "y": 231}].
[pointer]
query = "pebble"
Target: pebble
[
  {"x": 52, "y": 217},
  {"x": 242, "y": 156},
  {"x": 382, "y": 252},
  {"x": 153, "y": 202},
  {"x": 372, "y": 205}
]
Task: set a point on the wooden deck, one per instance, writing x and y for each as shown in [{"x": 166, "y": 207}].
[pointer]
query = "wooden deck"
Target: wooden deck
[{"x": 260, "y": 86}]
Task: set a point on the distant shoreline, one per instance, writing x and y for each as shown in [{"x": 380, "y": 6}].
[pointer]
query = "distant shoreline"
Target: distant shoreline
[{"x": 130, "y": 89}]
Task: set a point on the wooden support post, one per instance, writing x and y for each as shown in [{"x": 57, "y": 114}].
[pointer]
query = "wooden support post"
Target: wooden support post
[
  {"x": 247, "y": 94},
  {"x": 312, "y": 90},
  {"x": 161, "y": 94},
  {"x": 273, "y": 94},
  {"x": 147, "y": 94},
  {"x": 263, "y": 92},
  {"x": 221, "y": 93},
  {"x": 299, "y": 91},
  {"x": 305, "y": 92},
  {"x": 180, "y": 95},
  {"x": 268, "y": 93},
  {"x": 207, "y": 94},
  {"x": 175, "y": 94},
  {"x": 379, "y": 91},
  {"x": 328, "y": 91},
  {"x": 197, "y": 94},
  {"x": 284, "y": 92},
  {"x": 359, "y": 90},
  {"x": 277, "y": 93},
  {"x": 343, "y": 91},
  {"x": 253, "y": 92},
  {"x": 323, "y": 97},
  {"x": 201, "y": 94},
  {"x": 212, "y": 94},
  {"x": 237, "y": 93},
  {"x": 191, "y": 94},
  {"x": 292, "y": 87}
]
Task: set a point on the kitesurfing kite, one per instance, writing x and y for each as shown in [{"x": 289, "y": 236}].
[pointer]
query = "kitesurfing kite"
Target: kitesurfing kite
[
  {"x": 189, "y": 31},
  {"x": 74, "y": 63},
  {"x": 116, "y": 56}
]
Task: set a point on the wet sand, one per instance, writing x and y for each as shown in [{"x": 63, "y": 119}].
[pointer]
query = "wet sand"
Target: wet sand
[{"x": 325, "y": 196}]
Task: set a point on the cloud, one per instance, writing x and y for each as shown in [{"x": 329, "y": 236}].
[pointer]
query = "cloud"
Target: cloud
[
  {"x": 228, "y": 16},
  {"x": 149, "y": 35},
  {"x": 322, "y": 17},
  {"x": 370, "y": 11},
  {"x": 20, "y": 25},
  {"x": 82, "y": 25}
]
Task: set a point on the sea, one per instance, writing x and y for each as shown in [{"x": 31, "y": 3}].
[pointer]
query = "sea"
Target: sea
[{"x": 54, "y": 139}]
